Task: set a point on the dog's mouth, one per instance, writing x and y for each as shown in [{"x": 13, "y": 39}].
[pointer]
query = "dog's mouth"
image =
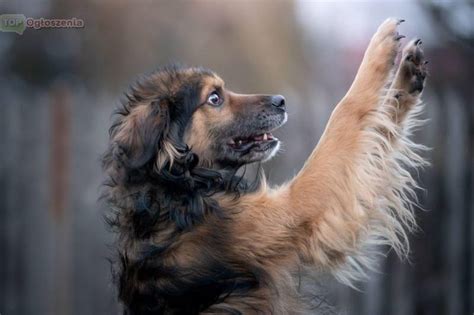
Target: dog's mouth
[
  {"x": 249, "y": 140},
  {"x": 262, "y": 142}
]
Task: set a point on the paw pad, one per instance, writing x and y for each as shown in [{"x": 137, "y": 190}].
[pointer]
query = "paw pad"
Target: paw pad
[{"x": 414, "y": 66}]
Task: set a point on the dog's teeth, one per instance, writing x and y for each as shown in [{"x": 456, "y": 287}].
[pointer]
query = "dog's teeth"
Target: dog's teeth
[
  {"x": 265, "y": 137},
  {"x": 231, "y": 141},
  {"x": 239, "y": 142}
]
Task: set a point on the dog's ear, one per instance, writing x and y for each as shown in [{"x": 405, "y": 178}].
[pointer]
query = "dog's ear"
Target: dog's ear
[{"x": 141, "y": 135}]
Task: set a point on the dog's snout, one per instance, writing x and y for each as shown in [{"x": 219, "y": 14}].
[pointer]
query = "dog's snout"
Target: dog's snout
[{"x": 278, "y": 101}]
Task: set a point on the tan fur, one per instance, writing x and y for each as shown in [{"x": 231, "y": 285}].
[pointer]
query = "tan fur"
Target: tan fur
[
  {"x": 205, "y": 118},
  {"x": 210, "y": 84},
  {"x": 354, "y": 192},
  {"x": 168, "y": 153},
  {"x": 126, "y": 133},
  {"x": 354, "y": 189}
]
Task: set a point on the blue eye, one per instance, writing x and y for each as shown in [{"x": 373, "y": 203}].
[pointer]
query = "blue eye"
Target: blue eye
[{"x": 214, "y": 99}]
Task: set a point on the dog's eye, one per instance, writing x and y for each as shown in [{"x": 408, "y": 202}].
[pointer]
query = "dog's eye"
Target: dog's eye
[{"x": 214, "y": 99}]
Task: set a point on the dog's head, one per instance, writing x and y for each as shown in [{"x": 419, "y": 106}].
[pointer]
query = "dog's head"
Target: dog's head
[
  {"x": 178, "y": 110},
  {"x": 227, "y": 128}
]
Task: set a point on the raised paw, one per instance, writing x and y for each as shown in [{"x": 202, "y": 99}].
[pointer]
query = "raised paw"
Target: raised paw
[
  {"x": 380, "y": 56},
  {"x": 386, "y": 41},
  {"x": 388, "y": 29},
  {"x": 413, "y": 68}
]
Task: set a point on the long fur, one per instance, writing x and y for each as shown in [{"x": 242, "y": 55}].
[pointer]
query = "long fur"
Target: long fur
[
  {"x": 194, "y": 238},
  {"x": 386, "y": 186}
]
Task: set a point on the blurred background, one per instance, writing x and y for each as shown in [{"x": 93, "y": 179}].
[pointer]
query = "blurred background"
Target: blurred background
[{"x": 58, "y": 88}]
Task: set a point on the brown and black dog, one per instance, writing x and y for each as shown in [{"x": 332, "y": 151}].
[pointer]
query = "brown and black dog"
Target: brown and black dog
[{"x": 194, "y": 237}]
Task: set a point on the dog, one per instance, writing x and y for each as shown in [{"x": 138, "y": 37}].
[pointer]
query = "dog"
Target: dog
[{"x": 195, "y": 237}]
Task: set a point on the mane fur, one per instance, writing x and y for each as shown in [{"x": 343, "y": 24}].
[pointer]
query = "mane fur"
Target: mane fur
[{"x": 158, "y": 191}]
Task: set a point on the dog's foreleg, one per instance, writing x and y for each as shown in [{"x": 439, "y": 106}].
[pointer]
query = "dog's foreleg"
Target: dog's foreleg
[
  {"x": 360, "y": 166},
  {"x": 345, "y": 184},
  {"x": 354, "y": 189}
]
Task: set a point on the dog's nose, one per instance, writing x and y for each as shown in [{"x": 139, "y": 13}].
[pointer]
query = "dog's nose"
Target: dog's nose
[{"x": 278, "y": 101}]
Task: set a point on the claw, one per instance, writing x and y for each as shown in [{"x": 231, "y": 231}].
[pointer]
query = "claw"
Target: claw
[
  {"x": 418, "y": 42},
  {"x": 400, "y": 21},
  {"x": 398, "y": 37},
  {"x": 426, "y": 62}
]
